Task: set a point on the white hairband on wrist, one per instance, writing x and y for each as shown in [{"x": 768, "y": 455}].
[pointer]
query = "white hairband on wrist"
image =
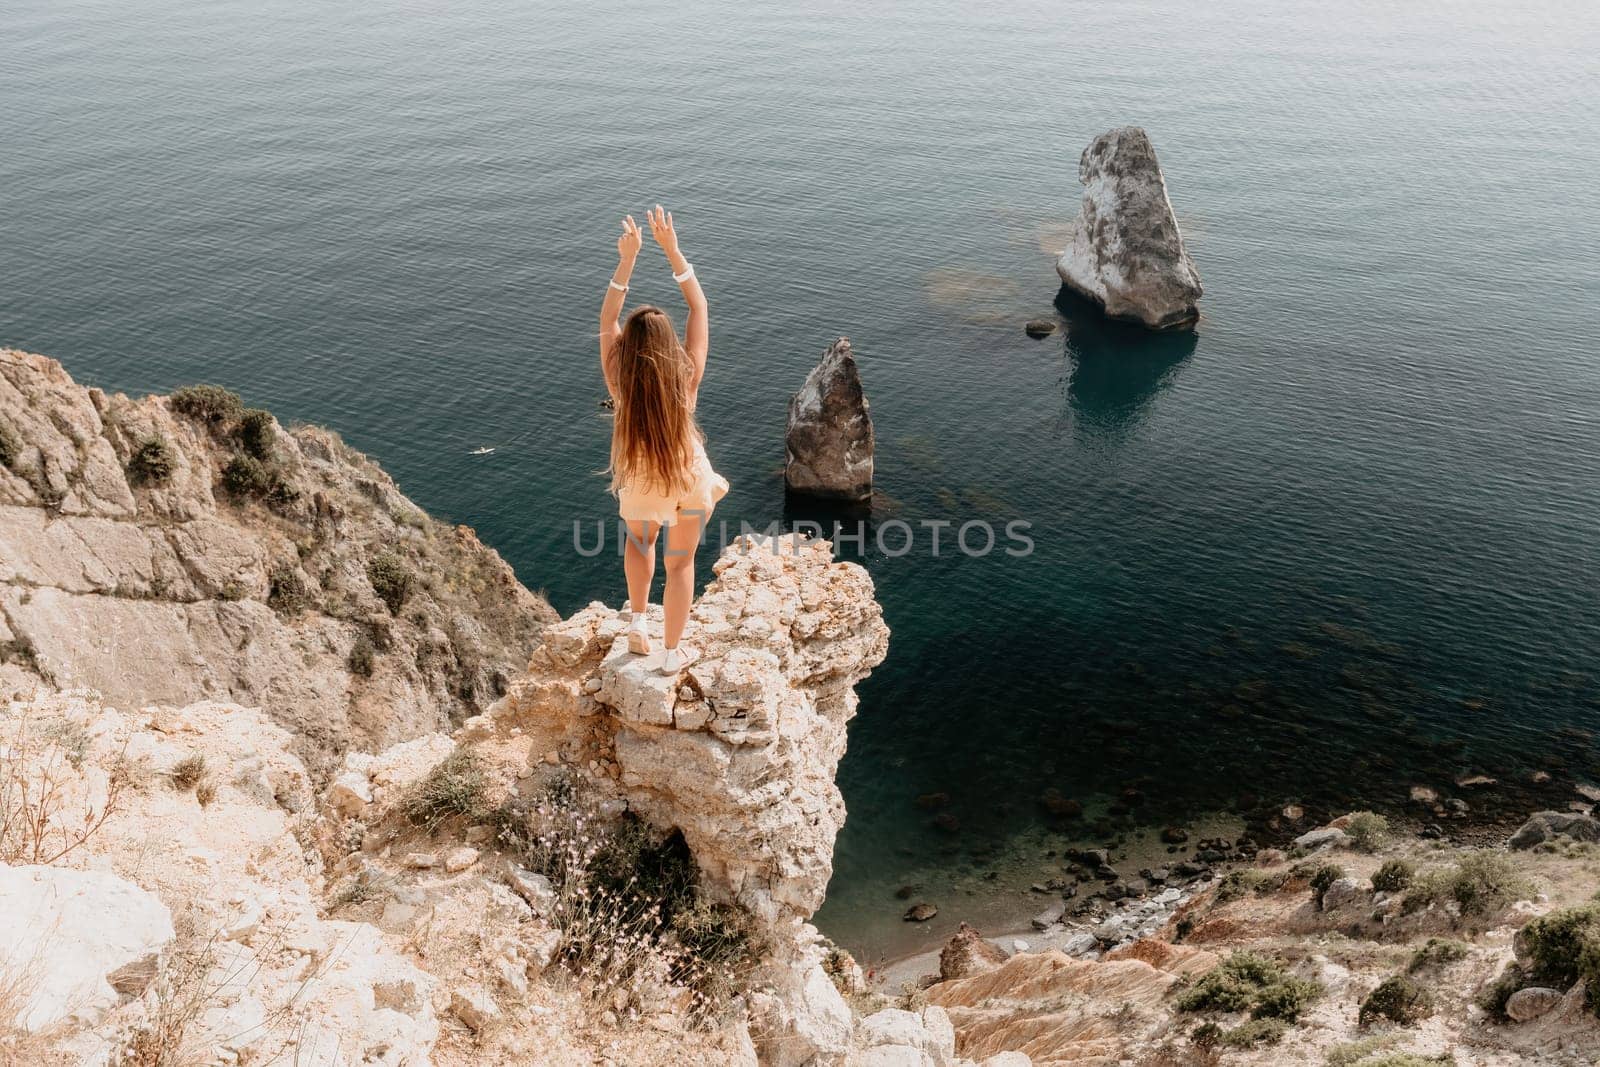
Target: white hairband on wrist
[
  {"x": 618, "y": 288},
  {"x": 688, "y": 272}
]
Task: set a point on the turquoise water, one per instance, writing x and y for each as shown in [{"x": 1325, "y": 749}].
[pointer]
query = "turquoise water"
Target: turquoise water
[{"x": 1341, "y": 539}]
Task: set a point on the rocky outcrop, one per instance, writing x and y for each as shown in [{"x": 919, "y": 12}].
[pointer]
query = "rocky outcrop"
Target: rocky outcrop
[
  {"x": 829, "y": 441},
  {"x": 129, "y": 565},
  {"x": 66, "y": 933},
  {"x": 737, "y": 753},
  {"x": 1546, "y": 826},
  {"x": 1126, "y": 252},
  {"x": 194, "y": 925}
]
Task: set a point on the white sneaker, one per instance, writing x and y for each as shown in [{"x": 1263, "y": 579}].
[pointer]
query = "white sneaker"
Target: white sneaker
[
  {"x": 676, "y": 659},
  {"x": 639, "y": 636},
  {"x": 626, "y": 611}
]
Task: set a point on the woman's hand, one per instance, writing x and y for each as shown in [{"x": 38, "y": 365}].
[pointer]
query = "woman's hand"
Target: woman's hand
[
  {"x": 631, "y": 241},
  {"x": 661, "y": 229}
]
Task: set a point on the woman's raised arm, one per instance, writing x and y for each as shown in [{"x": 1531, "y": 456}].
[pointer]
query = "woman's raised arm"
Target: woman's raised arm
[
  {"x": 697, "y": 331},
  {"x": 628, "y": 246}
]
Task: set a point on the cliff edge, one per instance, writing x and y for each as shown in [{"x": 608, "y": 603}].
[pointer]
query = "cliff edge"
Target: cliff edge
[{"x": 168, "y": 550}]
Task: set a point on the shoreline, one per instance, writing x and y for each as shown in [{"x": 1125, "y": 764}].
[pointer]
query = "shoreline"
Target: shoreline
[{"x": 1087, "y": 908}]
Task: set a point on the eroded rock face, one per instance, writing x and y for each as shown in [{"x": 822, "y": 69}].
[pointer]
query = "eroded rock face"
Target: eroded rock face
[
  {"x": 1126, "y": 252},
  {"x": 168, "y": 590},
  {"x": 737, "y": 753},
  {"x": 829, "y": 440}
]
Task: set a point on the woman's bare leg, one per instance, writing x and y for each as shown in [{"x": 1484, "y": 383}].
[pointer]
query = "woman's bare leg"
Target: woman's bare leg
[
  {"x": 639, "y": 562},
  {"x": 682, "y": 538}
]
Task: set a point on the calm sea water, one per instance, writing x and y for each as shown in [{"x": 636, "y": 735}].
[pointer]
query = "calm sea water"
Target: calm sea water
[{"x": 1341, "y": 539}]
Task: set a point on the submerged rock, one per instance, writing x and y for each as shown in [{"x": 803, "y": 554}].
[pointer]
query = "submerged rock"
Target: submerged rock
[
  {"x": 829, "y": 440},
  {"x": 1126, "y": 252},
  {"x": 1037, "y": 328}
]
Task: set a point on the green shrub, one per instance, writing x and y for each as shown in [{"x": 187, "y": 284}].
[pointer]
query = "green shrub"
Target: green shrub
[
  {"x": 206, "y": 403},
  {"x": 391, "y": 580},
  {"x": 1496, "y": 993},
  {"x": 1438, "y": 952},
  {"x": 1482, "y": 884},
  {"x": 453, "y": 787},
  {"x": 1367, "y": 830},
  {"x": 1398, "y": 999},
  {"x": 1237, "y": 883},
  {"x": 10, "y": 445},
  {"x": 246, "y": 476},
  {"x": 280, "y": 494},
  {"x": 1563, "y": 948},
  {"x": 1487, "y": 882},
  {"x": 1321, "y": 877},
  {"x": 255, "y": 433},
  {"x": 151, "y": 462},
  {"x": 1246, "y": 981},
  {"x": 1393, "y": 876},
  {"x": 362, "y": 655},
  {"x": 1255, "y": 1032},
  {"x": 286, "y": 593}
]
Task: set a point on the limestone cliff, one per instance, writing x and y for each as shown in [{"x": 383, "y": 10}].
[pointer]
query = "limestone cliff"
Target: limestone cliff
[
  {"x": 414, "y": 910},
  {"x": 169, "y": 550}
]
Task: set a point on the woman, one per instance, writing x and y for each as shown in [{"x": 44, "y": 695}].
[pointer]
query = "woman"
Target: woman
[{"x": 659, "y": 470}]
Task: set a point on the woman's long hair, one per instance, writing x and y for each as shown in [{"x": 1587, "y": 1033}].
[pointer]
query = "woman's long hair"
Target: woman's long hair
[{"x": 654, "y": 433}]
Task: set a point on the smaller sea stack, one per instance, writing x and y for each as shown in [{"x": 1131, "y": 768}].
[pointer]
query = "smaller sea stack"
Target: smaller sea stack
[{"x": 829, "y": 440}]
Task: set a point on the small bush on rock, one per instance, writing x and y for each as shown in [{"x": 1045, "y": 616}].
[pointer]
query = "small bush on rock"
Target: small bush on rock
[
  {"x": 1255, "y": 1032},
  {"x": 151, "y": 462},
  {"x": 286, "y": 592},
  {"x": 1563, "y": 948},
  {"x": 454, "y": 787},
  {"x": 1398, "y": 999},
  {"x": 10, "y": 445},
  {"x": 1320, "y": 876},
  {"x": 1486, "y": 882},
  {"x": 1482, "y": 884},
  {"x": 1367, "y": 831},
  {"x": 1246, "y": 981},
  {"x": 362, "y": 655},
  {"x": 255, "y": 433},
  {"x": 391, "y": 580},
  {"x": 188, "y": 772},
  {"x": 1393, "y": 876},
  {"x": 1438, "y": 952},
  {"x": 246, "y": 476},
  {"x": 1496, "y": 993},
  {"x": 206, "y": 403},
  {"x": 1238, "y": 883}
]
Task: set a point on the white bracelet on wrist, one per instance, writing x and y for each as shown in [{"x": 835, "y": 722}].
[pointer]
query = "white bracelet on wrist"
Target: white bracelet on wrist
[
  {"x": 618, "y": 288},
  {"x": 688, "y": 272}
]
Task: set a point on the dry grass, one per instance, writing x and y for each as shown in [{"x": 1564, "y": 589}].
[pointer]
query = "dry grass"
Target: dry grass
[
  {"x": 18, "y": 1044},
  {"x": 42, "y": 816},
  {"x": 636, "y": 934}
]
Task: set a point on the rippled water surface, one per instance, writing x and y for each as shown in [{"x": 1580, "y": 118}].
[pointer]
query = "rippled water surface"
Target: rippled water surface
[{"x": 1341, "y": 539}]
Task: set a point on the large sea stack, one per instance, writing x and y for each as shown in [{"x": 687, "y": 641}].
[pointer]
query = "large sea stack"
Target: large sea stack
[
  {"x": 829, "y": 440},
  {"x": 1126, "y": 252}
]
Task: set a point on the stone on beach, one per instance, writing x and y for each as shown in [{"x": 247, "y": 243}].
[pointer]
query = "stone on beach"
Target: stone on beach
[
  {"x": 1126, "y": 252},
  {"x": 829, "y": 441}
]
